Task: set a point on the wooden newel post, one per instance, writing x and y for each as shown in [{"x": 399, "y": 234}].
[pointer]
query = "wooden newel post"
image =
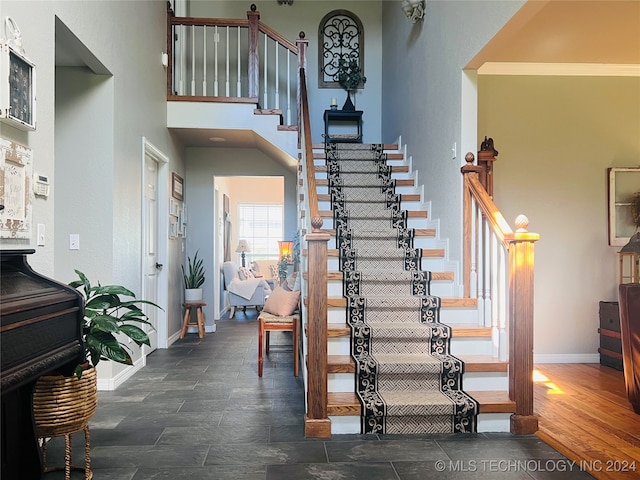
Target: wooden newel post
[
  {"x": 316, "y": 422},
  {"x": 486, "y": 156},
  {"x": 253, "y": 70},
  {"x": 521, "y": 266}
]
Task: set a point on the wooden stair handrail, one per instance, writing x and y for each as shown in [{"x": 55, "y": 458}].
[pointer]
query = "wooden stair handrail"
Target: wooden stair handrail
[
  {"x": 520, "y": 248},
  {"x": 316, "y": 423}
]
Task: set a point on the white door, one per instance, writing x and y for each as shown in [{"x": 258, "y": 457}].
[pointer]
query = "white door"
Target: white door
[{"x": 150, "y": 249}]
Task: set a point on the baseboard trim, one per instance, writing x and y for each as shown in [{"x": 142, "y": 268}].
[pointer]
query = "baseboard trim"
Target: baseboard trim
[
  {"x": 110, "y": 384},
  {"x": 566, "y": 358}
]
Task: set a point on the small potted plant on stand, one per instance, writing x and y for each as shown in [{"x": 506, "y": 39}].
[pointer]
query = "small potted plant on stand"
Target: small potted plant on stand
[
  {"x": 350, "y": 78},
  {"x": 193, "y": 280},
  {"x": 64, "y": 405}
]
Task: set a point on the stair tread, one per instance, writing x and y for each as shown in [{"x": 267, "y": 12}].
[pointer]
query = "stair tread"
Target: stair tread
[
  {"x": 491, "y": 401},
  {"x": 335, "y": 330},
  {"x": 472, "y": 363},
  {"x": 445, "y": 302},
  {"x": 418, "y": 232},
  {"x": 410, "y": 213}
]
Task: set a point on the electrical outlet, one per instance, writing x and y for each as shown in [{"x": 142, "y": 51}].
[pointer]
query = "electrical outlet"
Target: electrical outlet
[
  {"x": 74, "y": 241},
  {"x": 454, "y": 150}
]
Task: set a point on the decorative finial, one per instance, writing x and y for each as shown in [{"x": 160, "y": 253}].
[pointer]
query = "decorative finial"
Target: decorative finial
[
  {"x": 301, "y": 35},
  {"x": 469, "y": 157},
  {"x": 316, "y": 223},
  {"x": 253, "y": 7},
  {"x": 522, "y": 222}
]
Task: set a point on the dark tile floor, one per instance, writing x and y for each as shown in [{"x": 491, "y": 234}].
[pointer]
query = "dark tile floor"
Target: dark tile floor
[{"x": 199, "y": 411}]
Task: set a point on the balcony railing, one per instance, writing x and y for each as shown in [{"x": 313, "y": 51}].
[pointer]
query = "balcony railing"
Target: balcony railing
[{"x": 232, "y": 60}]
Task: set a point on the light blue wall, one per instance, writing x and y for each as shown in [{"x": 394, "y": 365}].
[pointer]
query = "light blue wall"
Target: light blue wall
[{"x": 422, "y": 90}]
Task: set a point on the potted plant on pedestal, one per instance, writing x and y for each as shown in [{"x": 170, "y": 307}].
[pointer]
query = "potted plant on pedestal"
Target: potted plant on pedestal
[
  {"x": 64, "y": 405},
  {"x": 350, "y": 78},
  {"x": 193, "y": 280}
]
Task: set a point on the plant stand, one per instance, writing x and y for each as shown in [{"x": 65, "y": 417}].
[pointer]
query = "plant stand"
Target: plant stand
[{"x": 61, "y": 407}]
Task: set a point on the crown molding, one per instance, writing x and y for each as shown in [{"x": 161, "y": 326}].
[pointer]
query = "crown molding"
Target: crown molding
[{"x": 560, "y": 69}]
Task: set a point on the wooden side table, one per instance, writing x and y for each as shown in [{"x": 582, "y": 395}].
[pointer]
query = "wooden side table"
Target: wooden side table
[
  {"x": 343, "y": 118},
  {"x": 188, "y": 307}
]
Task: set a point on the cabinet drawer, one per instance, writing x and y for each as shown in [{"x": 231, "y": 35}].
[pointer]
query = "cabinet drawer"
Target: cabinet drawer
[{"x": 610, "y": 316}]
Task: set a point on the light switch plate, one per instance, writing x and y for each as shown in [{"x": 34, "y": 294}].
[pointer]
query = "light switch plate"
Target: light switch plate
[
  {"x": 74, "y": 241},
  {"x": 40, "y": 235}
]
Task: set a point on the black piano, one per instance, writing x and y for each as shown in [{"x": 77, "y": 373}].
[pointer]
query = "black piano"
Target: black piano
[{"x": 40, "y": 332}]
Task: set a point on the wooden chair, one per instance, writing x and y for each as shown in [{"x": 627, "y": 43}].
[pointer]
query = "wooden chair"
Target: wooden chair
[{"x": 267, "y": 323}]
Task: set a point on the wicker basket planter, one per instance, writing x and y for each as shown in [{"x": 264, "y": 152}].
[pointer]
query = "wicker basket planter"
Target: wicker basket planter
[{"x": 62, "y": 406}]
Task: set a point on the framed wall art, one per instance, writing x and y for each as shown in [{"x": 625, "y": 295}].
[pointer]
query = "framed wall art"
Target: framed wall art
[
  {"x": 177, "y": 186},
  {"x": 624, "y": 188},
  {"x": 16, "y": 195}
]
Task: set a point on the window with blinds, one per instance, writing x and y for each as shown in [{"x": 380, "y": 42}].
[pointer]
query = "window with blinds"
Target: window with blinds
[{"x": 261, "y": 226}]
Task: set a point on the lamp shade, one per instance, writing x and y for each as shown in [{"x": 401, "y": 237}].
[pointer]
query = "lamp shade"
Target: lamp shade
[
  {"x": 285, "y": 249},
  {"x": 243, "y": 247}
]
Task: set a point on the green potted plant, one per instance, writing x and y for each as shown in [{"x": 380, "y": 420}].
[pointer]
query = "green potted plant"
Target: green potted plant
[
  {"x": 193, "y": 279},
  {"x": 107, "y": 313},
  {"x": 350, "y": 78},
  {"x": 283, "y": 266}
]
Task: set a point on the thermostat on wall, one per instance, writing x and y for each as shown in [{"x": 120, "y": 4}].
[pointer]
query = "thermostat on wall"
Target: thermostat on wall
[{"x": 41, "y": 185}]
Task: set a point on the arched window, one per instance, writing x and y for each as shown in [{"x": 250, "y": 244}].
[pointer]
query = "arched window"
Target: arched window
[{"x": 340, "y": 36}]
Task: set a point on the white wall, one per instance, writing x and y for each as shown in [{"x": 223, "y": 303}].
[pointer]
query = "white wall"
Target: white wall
[
  {"x": 556, "y": 137},
  {"x": 305, "y": 16},
  {"x": 95, "y": 162},
  {"x": 422, "y": 85}
]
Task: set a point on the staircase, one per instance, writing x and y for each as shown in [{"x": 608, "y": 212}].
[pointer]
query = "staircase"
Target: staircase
[{"x": 485, "y": 377}]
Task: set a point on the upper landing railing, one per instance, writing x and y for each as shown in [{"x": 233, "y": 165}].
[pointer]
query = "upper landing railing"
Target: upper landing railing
[{"x": 232, "y": 60}]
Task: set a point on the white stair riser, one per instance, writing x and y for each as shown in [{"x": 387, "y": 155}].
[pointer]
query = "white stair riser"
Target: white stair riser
[
  {"x": 485, "y": 381},
  {"x": 404, "y": 205},
  {"x": 487, "y": 422},
  {"x": 473, "y": 381},
  {"x": 449, "y": 316},
  {"x": 412, "y": 222},
  {"x": 494, "y": 422},
  {"x": 459, "y": 346},
  {"x": 341, "y": 382},
  {"x": 439, "y": 288}
]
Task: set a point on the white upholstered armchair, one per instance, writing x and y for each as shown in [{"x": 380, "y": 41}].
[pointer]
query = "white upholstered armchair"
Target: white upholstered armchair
[{"x": 243, "y": 292}]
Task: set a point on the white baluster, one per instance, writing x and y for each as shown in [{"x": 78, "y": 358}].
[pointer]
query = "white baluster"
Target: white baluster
[
  {"x": 264, "y": 103},
  {"x": 216, "y": 40},
  {"x": 227, "y": 57},
  {"x": 503, "y": 346},
  {"x": 193, "y": 59},
  {"x": 486, "y": 267},
  {"x": 182, "y": 60},
  {"x": 239, "y": 82},
  {"x": 495, "y": 295},
  {"x": 204, "y": 61},
  {"x": 288, "y": 87},
  {"x": 277, "y": 79}
]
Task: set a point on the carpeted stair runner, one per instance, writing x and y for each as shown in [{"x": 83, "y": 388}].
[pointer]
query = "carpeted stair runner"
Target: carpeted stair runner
[{"x": 406, "y": 379}]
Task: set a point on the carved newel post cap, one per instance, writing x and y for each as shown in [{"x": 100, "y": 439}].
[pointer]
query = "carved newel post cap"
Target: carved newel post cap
[
  {"x": 316, "y": 223},
  {"x": 522, "y": 222},
  {"x": 253, "y": 7},
  {"x": 301, "y": 35},
  {"x": 469, "y": 157}
]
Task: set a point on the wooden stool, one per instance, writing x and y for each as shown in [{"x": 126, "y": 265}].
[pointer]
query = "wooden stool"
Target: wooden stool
[
  {"x": 268, "y": 322},
  {"x": 188, "y": 306}
]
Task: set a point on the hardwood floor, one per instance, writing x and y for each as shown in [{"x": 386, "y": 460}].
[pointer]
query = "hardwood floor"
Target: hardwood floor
[{"x": 585, "y": 415}]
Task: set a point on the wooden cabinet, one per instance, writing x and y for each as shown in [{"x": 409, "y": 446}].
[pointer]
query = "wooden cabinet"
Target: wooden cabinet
[{"x": 610, "y": 344}]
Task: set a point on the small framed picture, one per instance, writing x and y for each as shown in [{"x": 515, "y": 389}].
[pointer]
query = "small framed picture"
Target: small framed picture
[{"x": 176, "y": 186}]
